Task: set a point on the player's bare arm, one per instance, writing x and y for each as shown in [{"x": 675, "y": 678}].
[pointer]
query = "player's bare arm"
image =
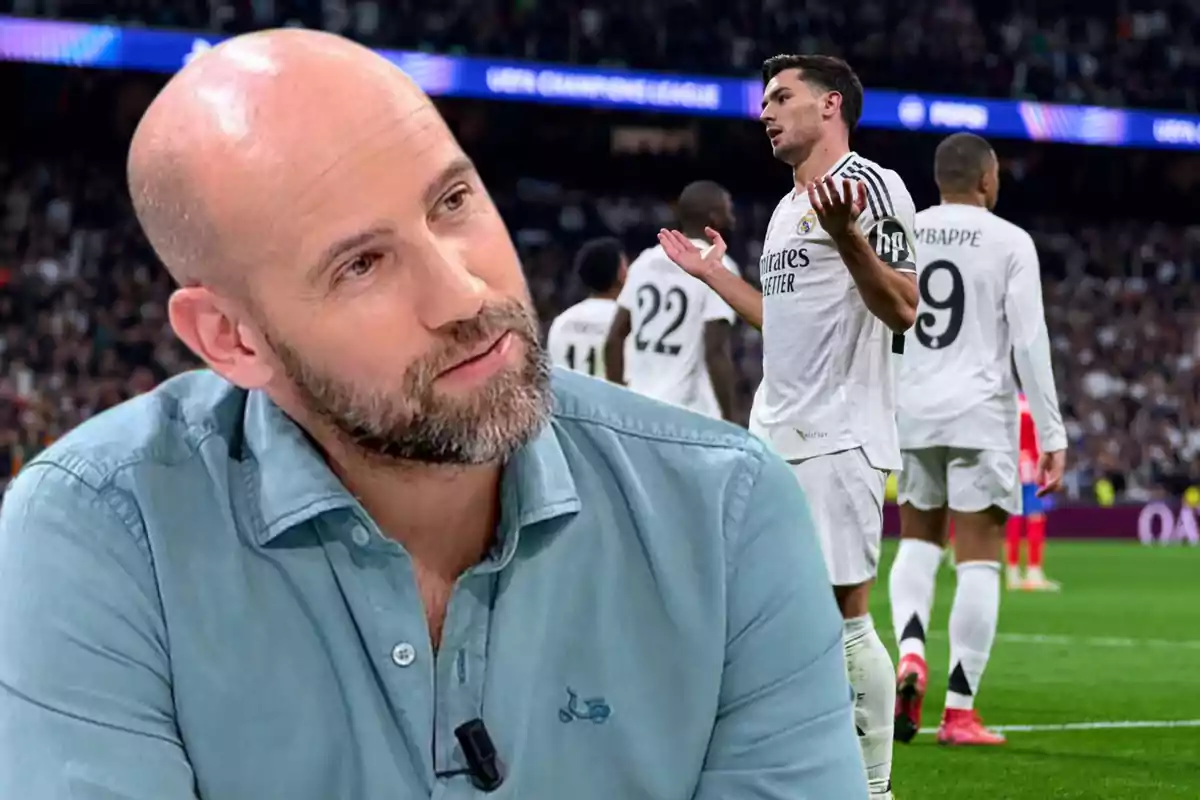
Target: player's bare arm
[
  {"x": 707, "y": 265},
  {"x": 888, "y": 293},
  {"x": 614, "y": 347},
  {"x": 719, "y": 360}
]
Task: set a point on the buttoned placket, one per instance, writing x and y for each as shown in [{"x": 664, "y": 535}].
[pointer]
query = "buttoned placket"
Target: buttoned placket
[
  {"x": 378, "y": 581},
  {"x": 461, "y": 671}
]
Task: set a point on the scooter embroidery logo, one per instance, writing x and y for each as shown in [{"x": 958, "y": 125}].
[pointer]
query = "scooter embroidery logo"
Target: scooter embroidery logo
[{"x": 594, "y": 709}]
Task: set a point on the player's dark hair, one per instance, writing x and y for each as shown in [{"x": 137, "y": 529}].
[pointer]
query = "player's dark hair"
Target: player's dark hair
[
  {"x": 598, "y": 263},
  {"x": 960, "y": 161},
  {"x": 829, "y": 73},
  {"x": 699, "y": 204}
]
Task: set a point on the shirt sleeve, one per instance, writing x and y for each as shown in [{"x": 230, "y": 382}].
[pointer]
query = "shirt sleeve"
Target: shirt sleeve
[
  {"x": 1031, "y": 344},
  {"x": 889, "y": 219},
  {"x": 85, "y": 693},
  {"x": 715, "y": 307},
  {"x": 784, "y": 727}
]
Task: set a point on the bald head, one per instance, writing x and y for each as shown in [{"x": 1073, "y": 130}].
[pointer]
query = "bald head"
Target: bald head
[
  {"x": 703, "y": 204},
  {"x": 343, "y": 253},
  {"x": 225, "y": 130}
]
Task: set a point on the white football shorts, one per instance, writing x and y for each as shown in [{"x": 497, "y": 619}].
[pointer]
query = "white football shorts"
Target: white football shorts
[
  {"x": 845, "y": 495},
  {"x": 960, "y": 479}
]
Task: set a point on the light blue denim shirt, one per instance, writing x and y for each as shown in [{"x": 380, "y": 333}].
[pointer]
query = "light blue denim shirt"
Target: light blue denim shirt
[{"x": 191, "y": 605}]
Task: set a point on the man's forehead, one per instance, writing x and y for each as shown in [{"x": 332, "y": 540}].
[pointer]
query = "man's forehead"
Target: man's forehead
[
  {"x": 377, "y": 170},
  {"x": 791, "y": 80},
  {"x": 402, "y": 136}
]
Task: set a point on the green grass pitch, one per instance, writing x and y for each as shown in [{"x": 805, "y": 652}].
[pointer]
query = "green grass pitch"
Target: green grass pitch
[{"x": 1121, "y": 643}]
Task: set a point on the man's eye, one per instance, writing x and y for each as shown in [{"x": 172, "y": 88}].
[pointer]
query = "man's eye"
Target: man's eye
[
  {"x": 360, "y": 266},
  {"x": 456, "y": 199}
]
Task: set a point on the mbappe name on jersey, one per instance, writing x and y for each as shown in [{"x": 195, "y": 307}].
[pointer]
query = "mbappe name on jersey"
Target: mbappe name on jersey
[
  {"x": 777, "y": 271},
  {"x": 948, "y": 237}
]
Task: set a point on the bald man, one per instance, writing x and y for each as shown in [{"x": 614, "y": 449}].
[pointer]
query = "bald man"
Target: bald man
[{"x": 378, "y": 550}]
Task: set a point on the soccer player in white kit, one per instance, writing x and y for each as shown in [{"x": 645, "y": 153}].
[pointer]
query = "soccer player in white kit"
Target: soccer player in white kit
[
  {"x": 670, "y": 337},
  {"x": 576, "y": 337},
  {"x": 980, "y": 311},
  {"x": 838, "y": 287}
]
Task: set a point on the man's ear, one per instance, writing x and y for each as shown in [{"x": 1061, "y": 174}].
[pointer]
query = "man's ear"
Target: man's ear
[
  {"x": 212, "y": 328},
  {"x": 832, "y": 105}
]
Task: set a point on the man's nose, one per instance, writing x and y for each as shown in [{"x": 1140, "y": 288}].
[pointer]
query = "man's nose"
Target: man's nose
[{"x": 450, "y": 291}]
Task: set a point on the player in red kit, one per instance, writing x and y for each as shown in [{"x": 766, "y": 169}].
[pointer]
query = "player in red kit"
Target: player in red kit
[{"x": 1032, "y": 519}]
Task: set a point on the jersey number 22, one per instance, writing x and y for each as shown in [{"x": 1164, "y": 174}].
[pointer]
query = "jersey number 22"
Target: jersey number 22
[{"x": 650, "y": 300}]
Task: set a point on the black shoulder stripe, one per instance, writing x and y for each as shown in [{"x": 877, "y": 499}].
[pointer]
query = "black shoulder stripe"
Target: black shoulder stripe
[
  {"x": 887, "y": 196},
  {"x": 881, "y": 193},
  {"x": 871, "y": 194}
]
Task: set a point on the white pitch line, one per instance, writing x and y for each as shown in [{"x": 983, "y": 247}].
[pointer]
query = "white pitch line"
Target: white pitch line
[
  {"x": 1086, "y": 641},
  {"x": 1088, "y": 726}
]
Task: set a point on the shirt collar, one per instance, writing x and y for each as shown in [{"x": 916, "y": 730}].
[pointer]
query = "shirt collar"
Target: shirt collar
[
  {"x": 537, "y": 487},
  {"x": 840, "y": 165},
  {"x": 293, "y": 484},
  {"x": 542, "y": 480}
]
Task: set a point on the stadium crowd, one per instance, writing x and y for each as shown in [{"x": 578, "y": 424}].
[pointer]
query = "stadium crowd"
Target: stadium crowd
[
  {"x": 1128, "y": 53},
  {"x": 82, "y": 300},
  {"x": 82, "y": 322}
]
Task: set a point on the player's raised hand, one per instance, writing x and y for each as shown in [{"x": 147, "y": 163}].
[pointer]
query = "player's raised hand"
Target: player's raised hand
[
  {"x": 696, "y": 261},
  {"x": 837, "y": 211},
  {"x": 1051, "y": 467}
]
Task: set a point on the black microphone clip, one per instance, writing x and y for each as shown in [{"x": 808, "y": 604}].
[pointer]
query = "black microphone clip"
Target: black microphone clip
[{"x": 483, "y": 764}]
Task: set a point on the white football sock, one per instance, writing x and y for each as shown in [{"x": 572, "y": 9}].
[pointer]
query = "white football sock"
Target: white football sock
[
  {"x": 910, "y": 587},
  {"x": 973, "y": 620},
  {"x": 1014, "y": 577},
  {"x": 874, "y": 681}
]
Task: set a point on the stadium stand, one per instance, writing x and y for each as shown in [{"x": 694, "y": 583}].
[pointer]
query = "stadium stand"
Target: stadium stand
[
  {"x": 82, "y": 300},
  {"x": 1130, "y": 53}
]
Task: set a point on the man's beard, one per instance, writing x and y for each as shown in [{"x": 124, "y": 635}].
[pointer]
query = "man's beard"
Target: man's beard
[{"x": 418, "y": 424}]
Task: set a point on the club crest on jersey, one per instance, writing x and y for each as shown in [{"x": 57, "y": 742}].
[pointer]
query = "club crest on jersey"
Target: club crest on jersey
[{"x": 807, "y": 222}]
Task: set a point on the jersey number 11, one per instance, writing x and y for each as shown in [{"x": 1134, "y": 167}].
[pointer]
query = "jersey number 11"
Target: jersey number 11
[{"x": 592, "y": 359}]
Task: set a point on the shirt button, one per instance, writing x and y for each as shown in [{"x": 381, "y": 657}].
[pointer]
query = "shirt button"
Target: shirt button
[
  {"x": 404, "y": 654},
  {"x": 360, "y": 536}
]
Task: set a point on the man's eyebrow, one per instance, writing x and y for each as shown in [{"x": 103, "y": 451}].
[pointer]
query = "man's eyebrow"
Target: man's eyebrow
[
  {"x": 460, "y": 167},
  {"x": 346, "y": 244},
  {"x": 771, "y": 95},
  {"x": 456, "y": 169}
]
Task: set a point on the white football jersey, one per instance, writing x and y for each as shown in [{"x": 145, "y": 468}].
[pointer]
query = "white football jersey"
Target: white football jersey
[
  {"x": 576, "y": 337},
  {"x": 827, "y": 361},
  {"x": 980, "y": 310},
  {"x": 664, "y": 356}
]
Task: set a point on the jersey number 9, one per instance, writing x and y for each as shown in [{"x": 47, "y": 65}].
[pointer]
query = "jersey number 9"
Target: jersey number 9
[{"x": 954, "y": 302}]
